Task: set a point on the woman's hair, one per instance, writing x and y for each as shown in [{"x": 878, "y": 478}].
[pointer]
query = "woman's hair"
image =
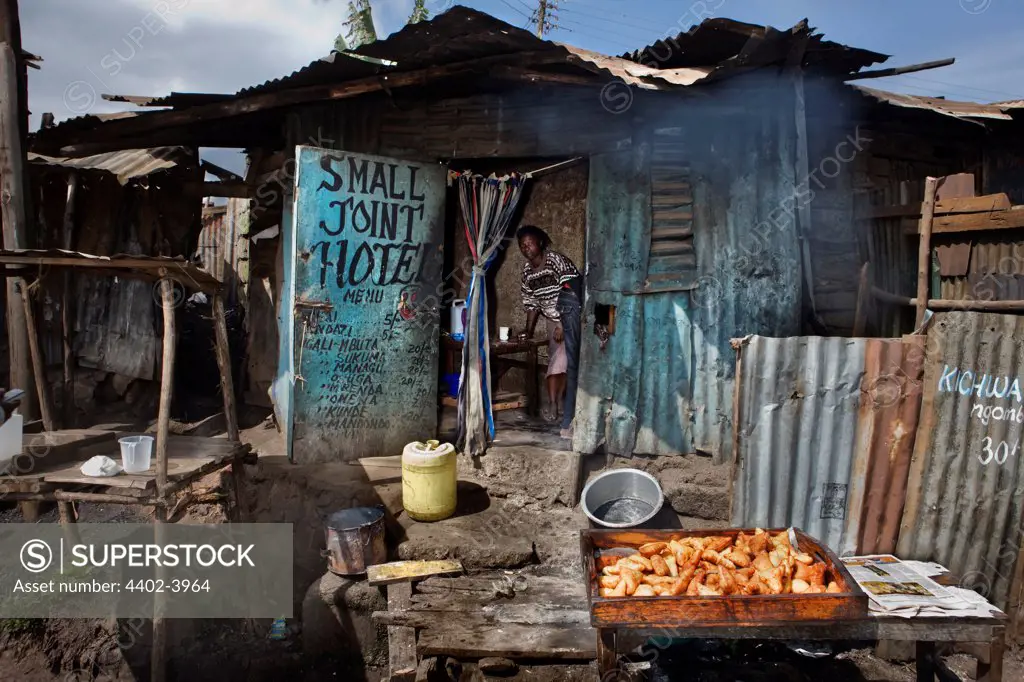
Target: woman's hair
[{"x": 533, "y": 231}]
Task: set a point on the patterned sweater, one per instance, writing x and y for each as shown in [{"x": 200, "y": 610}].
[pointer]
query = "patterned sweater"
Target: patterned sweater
[{"x": 541, "y": 286}]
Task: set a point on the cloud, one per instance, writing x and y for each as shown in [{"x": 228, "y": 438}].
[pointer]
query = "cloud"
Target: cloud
[{"x": 150, "y": 47}]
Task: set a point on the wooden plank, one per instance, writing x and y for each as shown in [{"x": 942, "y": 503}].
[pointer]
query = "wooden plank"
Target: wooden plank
[
  {"x": 223, "y": 352},
  {"x": 672, "y": 232},
  {"x": 36, "y": 356},
  {"x": 408, "y": 571},
  {"x": 509, "y": 641},
  {"x": 672, "y": 214},
  {"x": 860, "y": 315},
  {"x": 670, "y": 247},
  {"x": 982, "y": 204},
  {"x": 178, "y": 468},
  {"x": 401, "y": 640},
  {"x": 490, "y": 614},
  {"x": 924, "y": 253},
  {"x": 972, "y": 222}
]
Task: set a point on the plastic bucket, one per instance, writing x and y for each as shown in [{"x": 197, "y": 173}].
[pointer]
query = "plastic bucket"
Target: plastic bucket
[{"x": 136, "y": 453}]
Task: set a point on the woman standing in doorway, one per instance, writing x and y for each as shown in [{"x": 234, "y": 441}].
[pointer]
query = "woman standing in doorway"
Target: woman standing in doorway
[{"x": 553, "y": 287}]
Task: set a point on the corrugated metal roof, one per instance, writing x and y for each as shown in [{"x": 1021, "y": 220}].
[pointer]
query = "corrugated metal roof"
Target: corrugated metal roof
[
  {"x": 731, "y": 44},
  {"x": 463, "y": 34},
  {"x": 336, "y": 67},
  {"x": 965, "y": 110},
  {"x": 965, "y": 504},
  {"x": 175, "y": 99},
  {"x": 797, "y": 431},
  {"x": 127, "y": 164}
]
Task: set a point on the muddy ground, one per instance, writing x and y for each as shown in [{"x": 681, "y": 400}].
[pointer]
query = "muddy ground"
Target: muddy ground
[{"x": 520, "y": 497}]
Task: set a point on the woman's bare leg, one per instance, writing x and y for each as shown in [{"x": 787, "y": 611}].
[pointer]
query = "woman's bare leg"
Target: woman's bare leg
[
  {"x": 553, "y": 399},
  {"x": 560, "y": 380}
]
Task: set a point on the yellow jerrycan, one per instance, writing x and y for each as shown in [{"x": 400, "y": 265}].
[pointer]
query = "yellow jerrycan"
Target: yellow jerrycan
[{"x": 429, "y": 478}]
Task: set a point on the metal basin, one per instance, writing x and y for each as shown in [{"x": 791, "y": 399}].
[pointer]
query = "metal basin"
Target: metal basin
[
  {"x": 622, "y": 498},
  {"x": 355, "y": 540}
]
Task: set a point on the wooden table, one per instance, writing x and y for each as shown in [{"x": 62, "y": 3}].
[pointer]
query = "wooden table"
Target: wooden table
[
  {"x": 50, "y": 468},
  {"x": 500, "y": 352}
]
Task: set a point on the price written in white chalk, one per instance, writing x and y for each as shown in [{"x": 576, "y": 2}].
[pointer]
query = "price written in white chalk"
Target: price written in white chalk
[{"x": 999, "y": 455}]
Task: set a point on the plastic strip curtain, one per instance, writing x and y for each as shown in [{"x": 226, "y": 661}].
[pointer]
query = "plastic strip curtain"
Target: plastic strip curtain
[{"x": 488, "y": 207}]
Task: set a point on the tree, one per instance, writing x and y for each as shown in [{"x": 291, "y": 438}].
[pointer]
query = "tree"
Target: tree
[
  {"x": 419, "y": 13},
  {"x": 359, "y": 29},
  {"x": 359, "y": 25}
]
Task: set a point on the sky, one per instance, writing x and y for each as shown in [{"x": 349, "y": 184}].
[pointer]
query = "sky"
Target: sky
[{"x": 153, "y": 47}]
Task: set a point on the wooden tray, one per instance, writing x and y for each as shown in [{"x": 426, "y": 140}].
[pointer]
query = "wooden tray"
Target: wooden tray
[{"x": 691, "y": 612}]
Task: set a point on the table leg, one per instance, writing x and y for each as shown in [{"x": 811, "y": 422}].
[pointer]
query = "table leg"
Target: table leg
[
  {"x": 993, "y": 670},
  {"x": 606, "y": 660},
  {"x": 925, "y": 667},
  {"x": 68, "y": 521}
]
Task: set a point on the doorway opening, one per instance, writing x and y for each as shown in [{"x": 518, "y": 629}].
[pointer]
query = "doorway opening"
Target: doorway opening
[{"x": 555, "y": 202}]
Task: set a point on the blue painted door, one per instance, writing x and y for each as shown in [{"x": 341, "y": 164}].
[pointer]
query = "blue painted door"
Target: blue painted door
[{"x": 366, "y": 246}]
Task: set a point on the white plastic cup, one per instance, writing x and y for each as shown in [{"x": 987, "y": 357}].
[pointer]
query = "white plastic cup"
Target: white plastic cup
[
  {"x": 136, "y": 452},
  {"x": 503, "y": 333}
]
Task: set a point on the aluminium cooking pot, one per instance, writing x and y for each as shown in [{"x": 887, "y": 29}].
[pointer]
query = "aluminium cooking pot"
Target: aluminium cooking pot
[{"x": 355, "y": 540}]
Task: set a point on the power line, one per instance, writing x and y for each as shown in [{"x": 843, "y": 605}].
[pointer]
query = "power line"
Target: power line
[
  {"x": 618, "y": 22},
  {"x": 517, "y": 10},
  {"x": 960, "y": 86},
  {"x": 604, "y": 38},
  {"x": 573, "y": 22}
]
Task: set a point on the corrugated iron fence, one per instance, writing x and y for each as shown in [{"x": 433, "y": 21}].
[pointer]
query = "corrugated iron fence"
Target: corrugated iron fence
[
  {"x": 223, "y": 245},
  {"x": 908, "y": 446},
  {"x": 819, "y": 418}
]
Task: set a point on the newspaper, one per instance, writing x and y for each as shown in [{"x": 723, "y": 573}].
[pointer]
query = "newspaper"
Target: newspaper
[{"x": 896, "y": 588}]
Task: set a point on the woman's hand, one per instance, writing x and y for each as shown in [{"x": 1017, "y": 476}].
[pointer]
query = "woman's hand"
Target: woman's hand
[{"x": 559, "y": 335}]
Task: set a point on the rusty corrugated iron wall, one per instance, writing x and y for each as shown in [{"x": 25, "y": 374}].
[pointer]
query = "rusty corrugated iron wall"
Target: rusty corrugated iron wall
[
  {"x": 748, "y": 251},
  {"x": 826, "y": 428},
  {"x": 886, "y": 431},
  {"x": 966, "y": 499},
  {"x": 223, "y": 245}
]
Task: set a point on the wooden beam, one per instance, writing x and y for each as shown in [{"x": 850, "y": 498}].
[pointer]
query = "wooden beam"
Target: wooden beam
[
  {"x": 924, "y": 252},
  {"x": 401, "y": 640},
  {"x": 532, "y": 76},
  {"x": 335, "y": 91},
  {"x": 221, "y": 189},
  {"x": 166, "y": 384},
  {"x": 13, "y": 208},
  {"x": 900, "y": 70},
  {"x": 67, "y": 239},
  {"x": 946, "y": 303},
  {"x": 36, "y": 354},
  {"x": 860, "y": 315},
  {"x": 222, "y": 173},
  {"x": 984, "y": 204},
  {"x": 973, "y": 222},
  {"x": 223, "y": 352}
]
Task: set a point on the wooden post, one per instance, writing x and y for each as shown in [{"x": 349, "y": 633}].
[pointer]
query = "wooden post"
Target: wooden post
[
  {"x": 860, "y": 316},
  {"x": 45, "y": 408},
  {"x": 66, "y": 317},
  {"x": 158, "y": 658},
  {"x": 992, "y": 671},
  {"x": 223, "y": 351},
  {"x": 924, "y": 253},
  {"x": 12, "y": 187},
  {"x": 925, "y": 666}
]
